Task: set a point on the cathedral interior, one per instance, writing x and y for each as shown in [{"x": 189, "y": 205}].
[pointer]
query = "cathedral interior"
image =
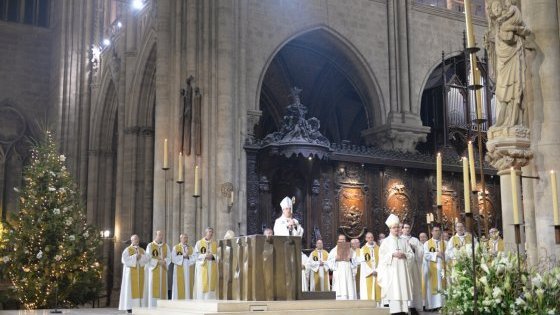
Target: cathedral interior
[{"x": 343, "y": 105}]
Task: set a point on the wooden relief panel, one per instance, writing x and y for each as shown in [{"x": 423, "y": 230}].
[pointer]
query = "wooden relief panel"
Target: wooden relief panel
[
  {"x": 398, "y": 202},
  {"x": 352, "y": 203}
]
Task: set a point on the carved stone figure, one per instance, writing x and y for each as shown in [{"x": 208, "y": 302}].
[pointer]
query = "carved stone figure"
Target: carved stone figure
[
  {"x": 187, "y": 93},
  {"x": 505, "y": 43}
]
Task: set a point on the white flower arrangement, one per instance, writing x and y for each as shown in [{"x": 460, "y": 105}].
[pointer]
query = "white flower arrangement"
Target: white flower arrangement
[
  {"x": 40, "y": 254},
  {"x": 56, "y": 211},
  {"x": 62, "y": 158}
]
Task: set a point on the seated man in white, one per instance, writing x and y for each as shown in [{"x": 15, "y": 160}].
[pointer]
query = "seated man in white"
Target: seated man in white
[{"x": 286, "y": 225}]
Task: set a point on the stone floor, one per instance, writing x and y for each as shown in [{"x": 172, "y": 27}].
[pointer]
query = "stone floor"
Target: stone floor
[{"x": 86, "y": 311}]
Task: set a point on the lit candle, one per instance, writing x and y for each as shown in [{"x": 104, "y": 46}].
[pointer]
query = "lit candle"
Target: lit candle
[
  {"x": 231, "y": 198},
  {"x": 427, "y": 218},
  {"x": 468, "y": 21},
  {"x": 554, "y": 186},
  {"x": 196, "y": 187},
  {"x": 471, "y": 166},
  {"x": 466, "y": 185},
  {"x": 439, "y": 184},
  {"x": 514, "y": 196},
  {"x": 180, "y": 169},
  {"x": 165, "y": 158},
  {"x": 431, "y": 217}
]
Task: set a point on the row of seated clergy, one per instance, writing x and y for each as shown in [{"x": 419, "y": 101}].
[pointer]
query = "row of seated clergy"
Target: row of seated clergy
[{"x": 144, "y": 278}]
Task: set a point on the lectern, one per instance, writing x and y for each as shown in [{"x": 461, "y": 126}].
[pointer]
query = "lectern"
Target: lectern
[{"x": 260, "y": 268}]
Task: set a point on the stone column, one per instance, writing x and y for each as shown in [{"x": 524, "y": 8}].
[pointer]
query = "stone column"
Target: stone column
[
  {"x": 403, "y": 127},
  {"x": 541, "y": 16}
]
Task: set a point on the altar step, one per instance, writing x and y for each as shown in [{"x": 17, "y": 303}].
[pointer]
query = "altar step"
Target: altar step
[{"x": 305, "y": 307}]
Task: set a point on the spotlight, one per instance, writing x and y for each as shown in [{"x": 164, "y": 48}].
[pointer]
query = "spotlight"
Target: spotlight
[
  {"x": 106, "y": 233},
  {"x": 137, "y": 4},
  {"x": 119, "y": 24},
  {"x": 310, "y": 158},
  {"x": 106, "y": 42}
]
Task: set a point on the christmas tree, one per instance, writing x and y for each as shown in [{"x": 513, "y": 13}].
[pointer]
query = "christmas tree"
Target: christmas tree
[{"x": 52, "y": 250}]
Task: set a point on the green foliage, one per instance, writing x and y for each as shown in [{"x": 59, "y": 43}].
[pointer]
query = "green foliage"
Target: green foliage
[
  {"x": 50, "y": 243},
  {"x": 503, "y": 286}
]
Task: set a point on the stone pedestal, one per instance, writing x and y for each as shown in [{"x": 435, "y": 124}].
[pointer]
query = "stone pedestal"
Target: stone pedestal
[{"x": 402, "y": 133}]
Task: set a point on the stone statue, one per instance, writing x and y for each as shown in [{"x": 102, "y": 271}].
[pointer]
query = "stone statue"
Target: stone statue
[
  {"x": 187, "y": 117},
  {"x": 505, "y": 43}
]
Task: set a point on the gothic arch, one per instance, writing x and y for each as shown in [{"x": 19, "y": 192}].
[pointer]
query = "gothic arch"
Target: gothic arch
[{"x": 353, "y": 64}]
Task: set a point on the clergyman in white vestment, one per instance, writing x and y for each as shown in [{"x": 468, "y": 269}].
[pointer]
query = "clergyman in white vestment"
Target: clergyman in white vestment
[
  {"x": 368, "y": 270},
  {"x": 434, "y": 254},
  {"x": 340, "y": 263},
  {"x": 393, "y": 274},
  {"x": 304, "y": 273},
  {"x": 206, "y": 268},
  {"x": 414, "y": 267},
  {"x": 286, "y": 225},
  {"x": 183, "y": 258},
  {"x": 160, "y": 258},
  {"x": 133, "y": 287},
  {"x": 318, "y": 269}
]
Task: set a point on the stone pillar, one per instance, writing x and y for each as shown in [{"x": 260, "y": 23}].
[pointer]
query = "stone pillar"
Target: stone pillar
[
  {"x": 403, "y": 128},
  {"x": 529, "y": 215},
  {"x": 541, "y": 16}
]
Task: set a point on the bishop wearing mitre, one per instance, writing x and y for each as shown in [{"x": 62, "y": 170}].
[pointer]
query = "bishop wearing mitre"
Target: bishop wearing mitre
[
  {"x": 286, "y": 225},
  {"x": 159, "y": 259},
  {"x": 206, "y": 268},
  {"x": 133, "y": 286},
  {"x": 183, "y": 260},
  {"x": 393, "y": 271}
]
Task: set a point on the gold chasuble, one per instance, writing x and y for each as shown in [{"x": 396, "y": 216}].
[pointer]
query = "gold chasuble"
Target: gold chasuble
[
  {"x": 180, "y": 273},
  {"x": 316, "y": 277},
  {"x": 370, "y": 261},
  {"x": 206, "y": 267},
  {"x": 157, "y": 283},
  {"x": 432, "y": 247},
  {"x": 136, "y": 275},
  {"x": 458, "y": 243}
]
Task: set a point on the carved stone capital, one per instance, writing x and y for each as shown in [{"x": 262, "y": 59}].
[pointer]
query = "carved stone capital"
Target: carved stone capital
[
  {"x": 509, "y": 147},
  {"x": 396, "y": 137}
]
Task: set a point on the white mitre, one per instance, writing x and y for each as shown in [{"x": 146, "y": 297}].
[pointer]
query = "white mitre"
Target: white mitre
[
  {"x": 286, "y": 203},
  {"x": 392, "y": 220}
]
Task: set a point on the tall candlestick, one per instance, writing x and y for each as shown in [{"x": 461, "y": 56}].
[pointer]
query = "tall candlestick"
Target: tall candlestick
[
  {"x": 427, "y": 218},
  {"x": 514, "y": 196},
  {"x": 231, "y": 198},
  {"x": 478, "y": 95},
  {"x": 180, "y": 169},
  {"x": 554, "y": 187},
  {"x": 196, "y": 185},
  {"x": 439, "y": 182},
  {"x": 469, "y": 24},
  {"x": 466, "y": 185},
  {"x": 471, "y": 166},
  {"x": 165, "y": 157}
]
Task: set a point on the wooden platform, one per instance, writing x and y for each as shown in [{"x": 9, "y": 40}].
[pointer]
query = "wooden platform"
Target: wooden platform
[{"x": 311, "y": 307}]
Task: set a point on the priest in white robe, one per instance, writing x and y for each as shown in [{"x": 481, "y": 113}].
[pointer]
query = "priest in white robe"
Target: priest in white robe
[
  {"x": 457, "y": 241},
  {"x": 434, "y": 270},
  {"x": 183, "y": 259},
  {"x": 355, "y": 246},
  {"x": 160, "y": 258},
  {"x": 286, "y": 225},
  {"x": 369, "y": 257},
  {"x": 340, "y": 261},
  {"x": 415, "y": 269},
  {"x": 206, "y": 268},
  {"x": 393, "y": 272},
  {"x": 304, "y": 273},
  {"x": 133, "y": 286},
  {"x": 318, "y": 269}
]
